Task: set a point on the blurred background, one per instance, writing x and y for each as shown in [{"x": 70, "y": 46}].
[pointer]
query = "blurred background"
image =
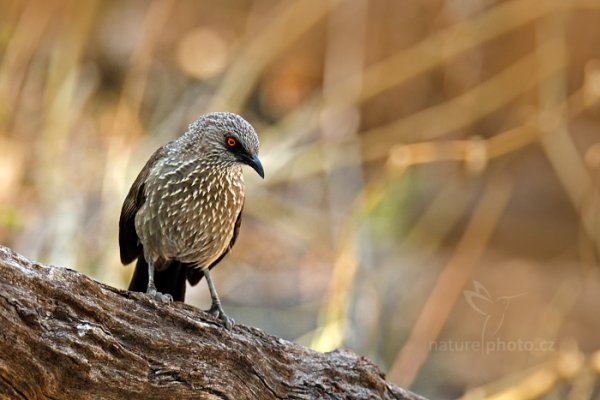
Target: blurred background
[{"x": 431, "y": 198}]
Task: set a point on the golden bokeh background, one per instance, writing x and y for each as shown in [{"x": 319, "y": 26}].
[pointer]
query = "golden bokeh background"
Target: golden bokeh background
[{"x": 431, "y": 198}]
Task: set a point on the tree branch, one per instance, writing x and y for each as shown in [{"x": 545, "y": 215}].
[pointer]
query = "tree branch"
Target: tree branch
[{"x": 64, "y": 335}]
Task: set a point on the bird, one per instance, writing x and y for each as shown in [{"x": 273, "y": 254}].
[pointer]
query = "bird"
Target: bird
[{"x": 183, "y": 212}]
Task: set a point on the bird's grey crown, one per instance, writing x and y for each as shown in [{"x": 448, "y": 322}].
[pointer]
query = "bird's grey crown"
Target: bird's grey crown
[{"x": 208, "y": 134}]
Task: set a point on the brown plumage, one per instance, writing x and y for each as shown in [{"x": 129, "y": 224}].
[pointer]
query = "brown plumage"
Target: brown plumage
[{"x": 183, "y": 212}]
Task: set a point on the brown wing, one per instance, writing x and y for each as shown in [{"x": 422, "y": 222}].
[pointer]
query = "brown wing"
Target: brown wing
[
  {"x": 194, "y": 275},
  {"x": 129, "y": 244}
]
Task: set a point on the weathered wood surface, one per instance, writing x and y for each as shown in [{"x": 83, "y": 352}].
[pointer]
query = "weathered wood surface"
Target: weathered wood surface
[{"x": 66, "y": 336}]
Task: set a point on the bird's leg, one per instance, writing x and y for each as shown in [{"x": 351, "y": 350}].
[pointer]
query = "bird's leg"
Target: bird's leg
[
  {"x": 216, "y": 308},
  {"x": 165, "y": 298}
]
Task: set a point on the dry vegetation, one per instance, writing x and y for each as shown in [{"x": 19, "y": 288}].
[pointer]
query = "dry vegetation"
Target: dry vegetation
[{"x": 432, "y": 168}]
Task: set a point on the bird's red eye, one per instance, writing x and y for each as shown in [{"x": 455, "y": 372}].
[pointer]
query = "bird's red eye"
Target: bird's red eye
[{"x": 231, "y": 142}]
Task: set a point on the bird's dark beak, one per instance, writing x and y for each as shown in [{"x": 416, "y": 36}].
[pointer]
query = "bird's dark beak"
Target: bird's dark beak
[{"x": 256, "y": 165}]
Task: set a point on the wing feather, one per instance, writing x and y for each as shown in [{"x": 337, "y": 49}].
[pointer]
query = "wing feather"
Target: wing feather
[{"x": 129, "y": 245}]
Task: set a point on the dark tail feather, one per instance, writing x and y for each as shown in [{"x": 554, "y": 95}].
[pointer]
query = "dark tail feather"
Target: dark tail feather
[
  {"x": 170, "y": 280},
  {"x": 194, "y": 275}
]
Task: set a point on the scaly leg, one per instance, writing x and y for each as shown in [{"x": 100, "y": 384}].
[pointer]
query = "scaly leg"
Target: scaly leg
[
  {"x": 165, "y": 298},
  {"x": 216, "y": 308}
]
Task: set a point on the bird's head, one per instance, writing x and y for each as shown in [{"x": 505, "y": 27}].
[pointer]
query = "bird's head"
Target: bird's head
[{"x": 227, "y": 139}]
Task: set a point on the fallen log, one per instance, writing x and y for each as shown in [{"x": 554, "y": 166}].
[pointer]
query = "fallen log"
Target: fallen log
[{"x": 66, "y": 336}]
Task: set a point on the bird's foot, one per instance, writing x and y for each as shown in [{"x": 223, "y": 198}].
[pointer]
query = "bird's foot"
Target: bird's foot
[
  {"x": 217, "y": 311},
  {"x": 163, "y": 297}
]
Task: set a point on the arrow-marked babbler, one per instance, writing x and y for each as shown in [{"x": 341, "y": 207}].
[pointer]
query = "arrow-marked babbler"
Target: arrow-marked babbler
[{"x": 183, "y": 212}]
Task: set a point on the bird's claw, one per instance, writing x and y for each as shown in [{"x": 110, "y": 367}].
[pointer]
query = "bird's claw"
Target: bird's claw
[
  {"x": 217, "y": 311},
  {"x": 163, "y": 297}
]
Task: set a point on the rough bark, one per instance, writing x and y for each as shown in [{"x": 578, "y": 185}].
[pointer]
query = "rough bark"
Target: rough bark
[{"x": 66, "y": 336}]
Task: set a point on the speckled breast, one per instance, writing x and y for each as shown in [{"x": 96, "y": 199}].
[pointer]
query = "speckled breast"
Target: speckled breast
[{"x": 190, "y": 211}]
